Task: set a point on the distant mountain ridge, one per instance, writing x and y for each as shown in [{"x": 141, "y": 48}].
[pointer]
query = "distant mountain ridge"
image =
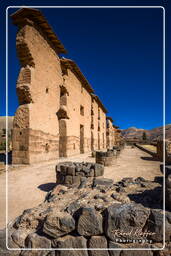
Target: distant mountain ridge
[
  {"x": 3, "y": 122},
  {"x": 153, "y": 134}
]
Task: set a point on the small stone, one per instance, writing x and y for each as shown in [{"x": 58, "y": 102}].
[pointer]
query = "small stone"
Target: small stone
[
  {"x": 59, "y": 189},
  {"x": 33, "y": 240},
  {"x": 128, "y": 180},
  {"x": 98, "y": 242},
  {"x": 121, "y": 198},
  {"x": 58, "y": 224},
  {"x": 140, "y": 179},
  {"x": 89, "y": 222},
  {"x": 120, "y": 189}
]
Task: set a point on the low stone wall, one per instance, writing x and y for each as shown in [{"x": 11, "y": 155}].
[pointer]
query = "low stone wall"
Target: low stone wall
[
  {"x": 86, "y": 218},
  {"x": 108, "y": 157},
  {"x": 153, "y": 154},
  {"x": 77, "y": 174}
]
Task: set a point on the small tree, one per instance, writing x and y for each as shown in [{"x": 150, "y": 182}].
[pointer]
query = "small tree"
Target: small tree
[{"x": 144, "y": 136}]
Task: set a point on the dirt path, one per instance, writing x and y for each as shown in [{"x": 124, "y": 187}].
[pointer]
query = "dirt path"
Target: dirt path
[{"x": 28, "y": 185}]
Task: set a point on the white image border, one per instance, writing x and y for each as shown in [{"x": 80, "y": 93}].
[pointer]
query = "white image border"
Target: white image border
[{"x": 164, "y": 39}]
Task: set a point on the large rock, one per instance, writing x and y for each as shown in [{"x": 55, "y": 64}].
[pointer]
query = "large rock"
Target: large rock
[
  {"x": 102, "y": 182},
  {"x": 98, "y": 242},
  {"x": 115, "y": 246},
  {"x": 98, "y": 170},
  {"x": 89, "y": 222},
  {"x": 3, "y": 249},
  {"x": 168, "y": 192},
  {"x": 156, "y": 223},
  {"x": 69, "y": 241},
  {"x": 121, "y": 219},
  {"x": 58, "y": 224},
  {"x": 19, "y": 237},
  {"x": 34, "y": 240}
]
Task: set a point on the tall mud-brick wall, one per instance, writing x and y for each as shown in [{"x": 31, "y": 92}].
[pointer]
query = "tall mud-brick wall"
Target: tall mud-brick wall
[
  {"x": 36, "y": 125},
  {"x": 78, "y": 109}
]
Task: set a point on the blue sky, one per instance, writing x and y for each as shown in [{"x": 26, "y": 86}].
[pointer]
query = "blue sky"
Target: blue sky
[{"x": 118, "y": 50}]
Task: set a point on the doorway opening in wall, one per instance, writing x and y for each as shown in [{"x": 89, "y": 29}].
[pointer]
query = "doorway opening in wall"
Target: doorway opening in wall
[
  {"x": 63, "y": 96},
  {"x": 98, "y": 140},
  {"x": 81, "y": 138},
  {"x": 103, "y": 141},
  {"x": 62, "y": 138}
]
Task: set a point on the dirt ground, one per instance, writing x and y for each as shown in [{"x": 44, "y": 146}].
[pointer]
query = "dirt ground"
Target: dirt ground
[{"x": 28, "y": 185}]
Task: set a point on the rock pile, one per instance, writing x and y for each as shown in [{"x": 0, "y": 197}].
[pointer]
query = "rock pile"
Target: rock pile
[{"x": 104, "y": 215}]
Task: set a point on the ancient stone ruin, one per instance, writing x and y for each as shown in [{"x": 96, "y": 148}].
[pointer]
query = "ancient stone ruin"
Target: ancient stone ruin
[
  {"x": 98, "y": 214},
  {"x": 77, "y": 174},
  {"x": 59, "y": 114}
]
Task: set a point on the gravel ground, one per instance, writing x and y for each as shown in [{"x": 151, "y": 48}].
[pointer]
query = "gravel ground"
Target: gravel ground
[{"x": 28, "y": 185}]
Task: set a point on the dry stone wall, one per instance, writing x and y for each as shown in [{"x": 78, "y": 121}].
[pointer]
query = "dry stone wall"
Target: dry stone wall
[
  {"x": 93, "y": 217},
  {"x": 77, "y": 174}
]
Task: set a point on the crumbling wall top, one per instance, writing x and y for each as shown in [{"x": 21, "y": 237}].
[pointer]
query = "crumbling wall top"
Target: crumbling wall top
[
  {"x": 36, "y": 18},
  {"x": 70, "y": 64},
  {"x": 109, "y": 118},
  {"x": 99, "y": 102}
]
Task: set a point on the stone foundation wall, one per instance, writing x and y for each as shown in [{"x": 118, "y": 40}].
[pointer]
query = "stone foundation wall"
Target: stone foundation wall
[
  {"x": 77, "y": 174},
  {"x": 31, "y": 146},
  {"x": 108, "y": 157}
]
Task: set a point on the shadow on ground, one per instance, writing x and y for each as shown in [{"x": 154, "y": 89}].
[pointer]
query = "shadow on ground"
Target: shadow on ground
[
  {"x": 3, "y": 157},
  {"x": 148, "y": 158},
  {"x": 151, "y": 198},
  {"x": 47, "y": 186}
]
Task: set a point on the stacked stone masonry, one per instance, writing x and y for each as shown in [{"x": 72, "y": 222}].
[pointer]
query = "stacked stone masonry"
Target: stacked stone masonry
[
  {"x": 77, "y": 174},
  {"x": 93, "y": 217},
  {"x": 59, "y": 114}
]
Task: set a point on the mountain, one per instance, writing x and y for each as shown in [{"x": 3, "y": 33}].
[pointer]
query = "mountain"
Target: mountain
[
  {"x": 132, "y": 133},
  {"x": 153, "y": 134},
  {"x": 3, "y": 122}
]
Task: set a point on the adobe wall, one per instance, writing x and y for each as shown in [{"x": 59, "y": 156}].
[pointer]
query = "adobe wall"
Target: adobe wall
[
  {"x": 109, "y": 134},
  {"x": 77, "y": 96},
  {"x": 102, "y": 122},
  {"x": 58, "y": 114},
  {"x": 38, "y": 94},
  {"x": 94, "y": 124},
  {"x": 98, "y": 127}
]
